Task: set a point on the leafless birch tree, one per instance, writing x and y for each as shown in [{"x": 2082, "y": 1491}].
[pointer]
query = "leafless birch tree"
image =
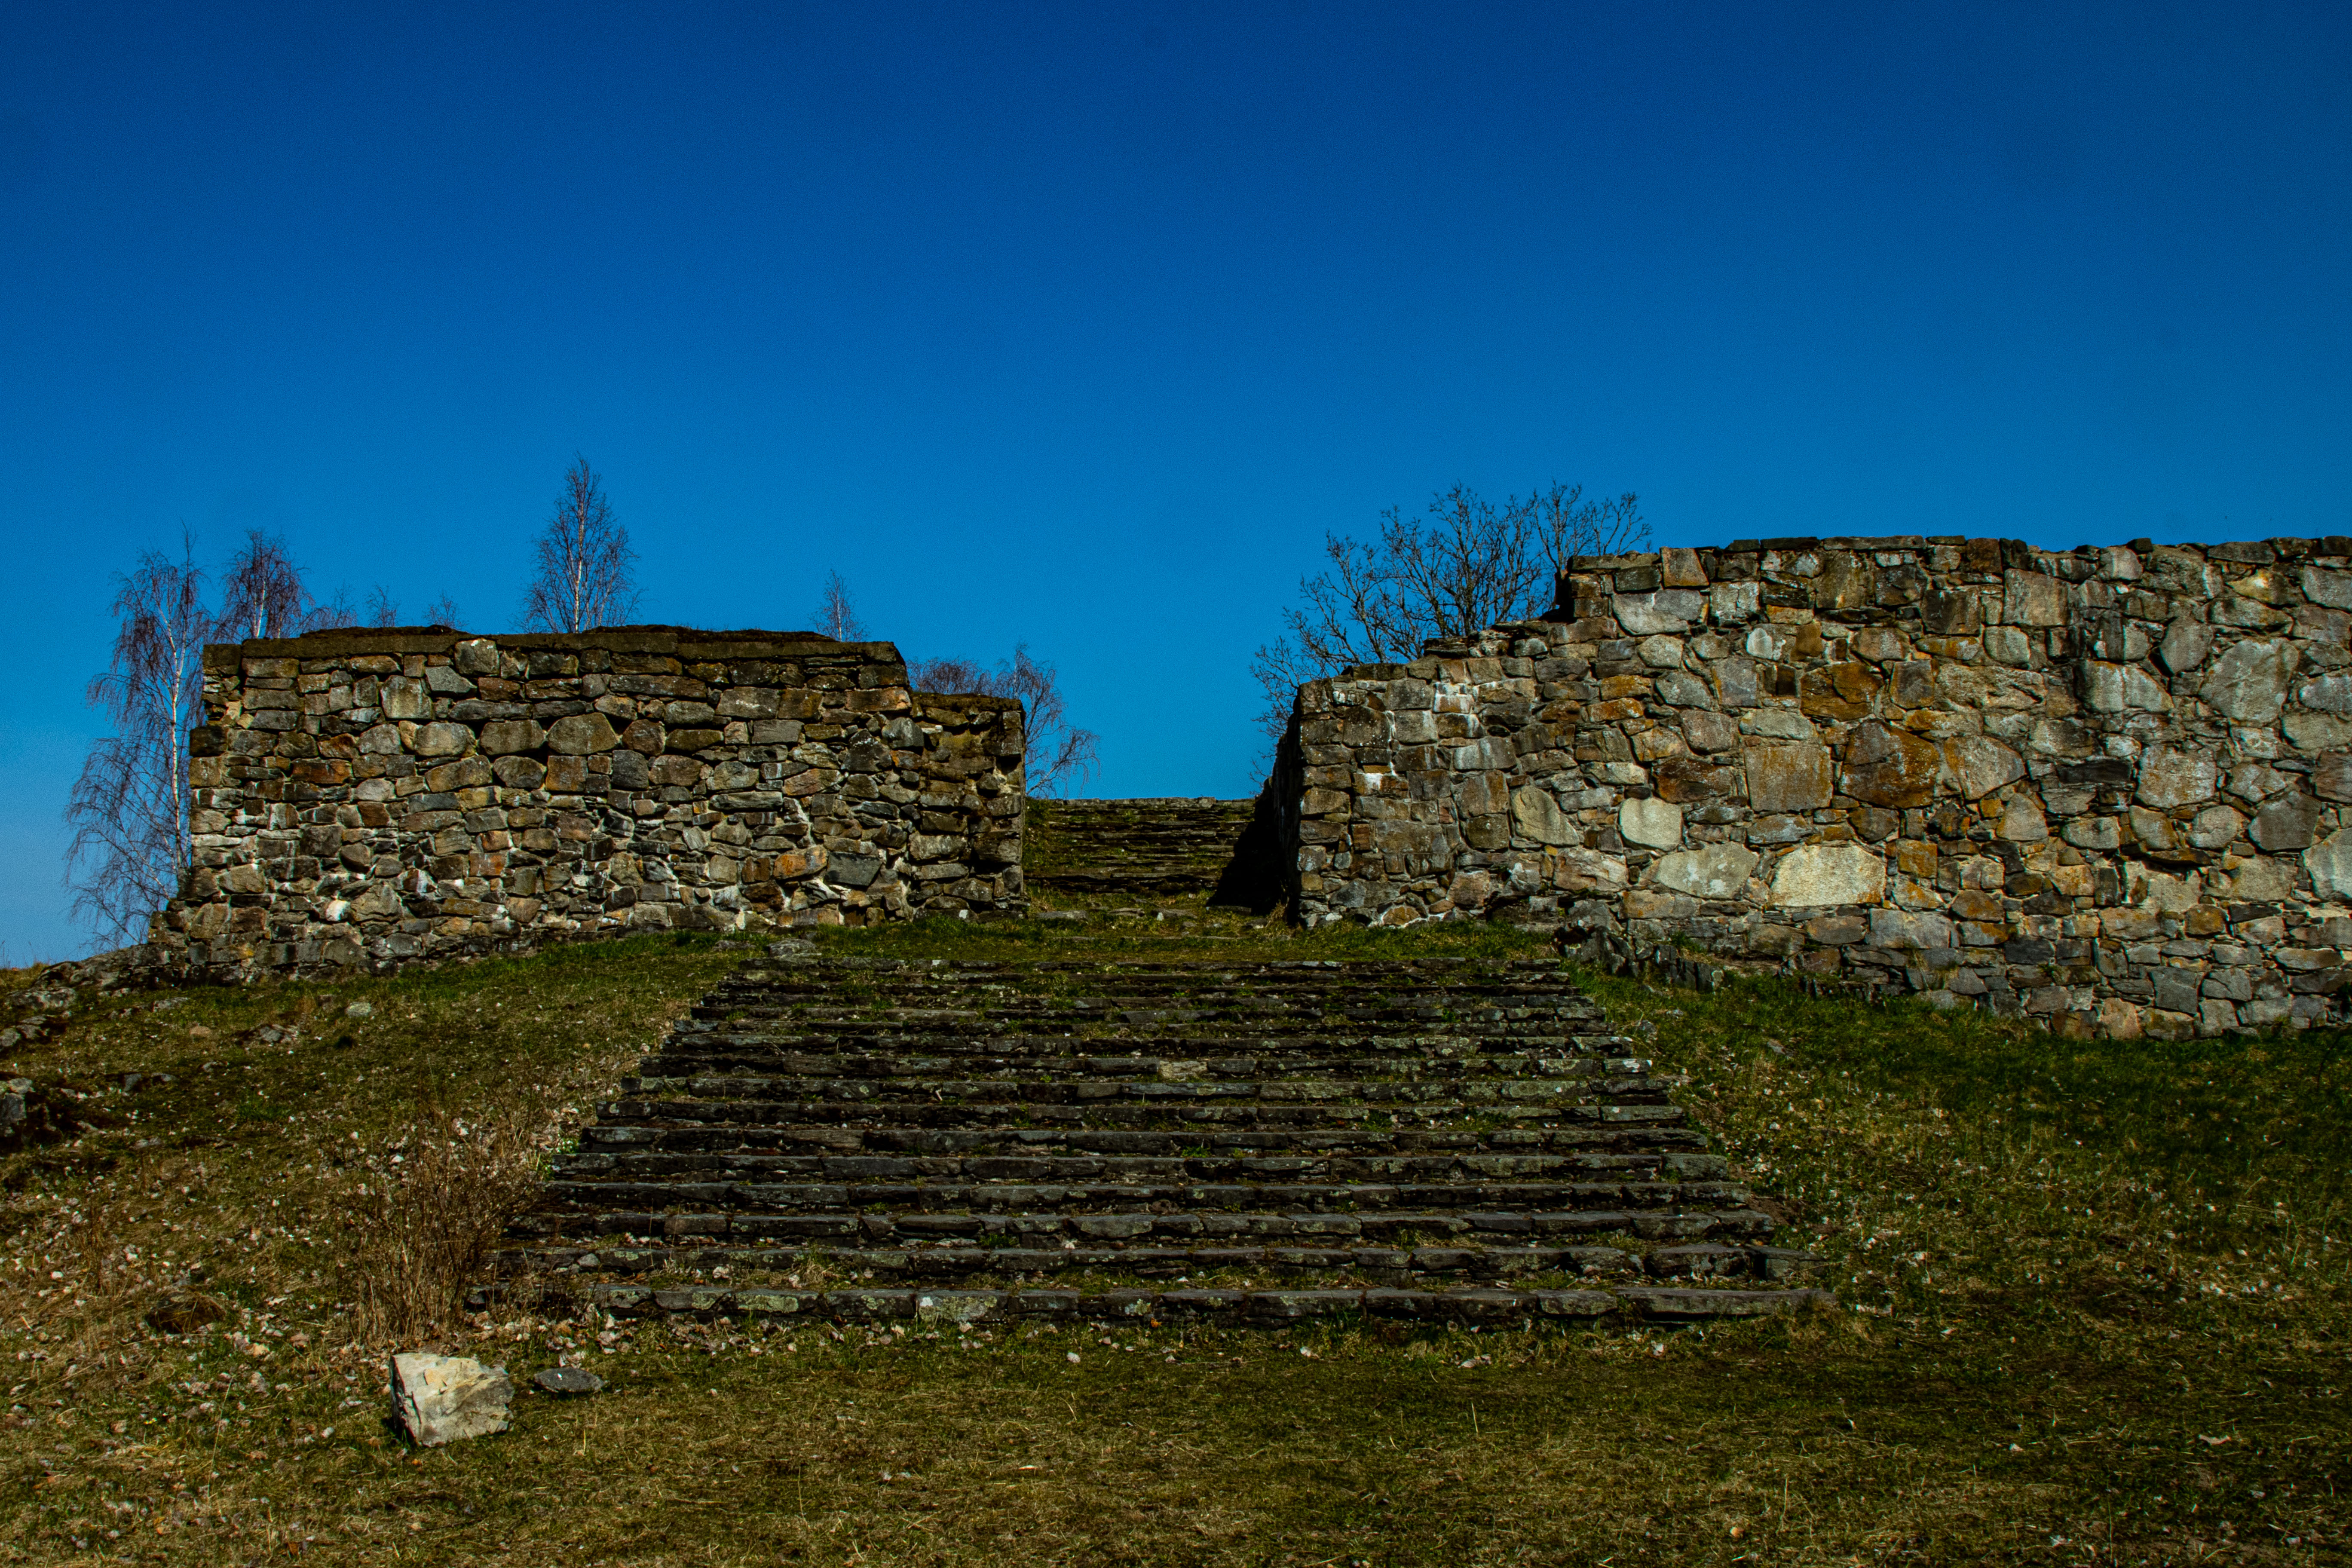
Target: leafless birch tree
[
  {"x": 1464, "y": 565},
  {"x": 836, "y": 615},
  {"x": 584, "y": 578},
  {"x": 128, "y": 808},
  {"x": 1060, "y": 754}
]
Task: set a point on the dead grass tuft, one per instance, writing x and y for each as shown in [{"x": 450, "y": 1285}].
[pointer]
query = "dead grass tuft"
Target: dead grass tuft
[{"x": 422, "y": 1215}]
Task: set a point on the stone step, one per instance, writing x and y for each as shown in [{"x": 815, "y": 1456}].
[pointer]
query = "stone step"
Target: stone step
[
  {"x": 753, "y": 1137},
  {"x": 1453, "y": 1257},
  {"x": 1136, "y": 848},
  {"x": 952, "y": 1310},
  {"x": 1360, "y": 1128}
]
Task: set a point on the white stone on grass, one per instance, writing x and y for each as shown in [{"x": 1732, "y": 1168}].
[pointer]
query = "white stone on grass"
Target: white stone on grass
[{"x": 438, "y": 1399}]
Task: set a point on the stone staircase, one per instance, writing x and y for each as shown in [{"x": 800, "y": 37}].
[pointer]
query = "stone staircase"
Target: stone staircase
[
  {"x": 1245, "y": 1142},
  {"x": 1147, "y": 849}
]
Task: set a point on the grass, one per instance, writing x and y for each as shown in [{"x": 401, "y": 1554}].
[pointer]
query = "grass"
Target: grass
[{"x": 2097, "y": 1311}]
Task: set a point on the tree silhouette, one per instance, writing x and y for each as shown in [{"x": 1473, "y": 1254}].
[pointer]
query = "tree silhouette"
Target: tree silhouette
[{"x": 584, "y": 578}]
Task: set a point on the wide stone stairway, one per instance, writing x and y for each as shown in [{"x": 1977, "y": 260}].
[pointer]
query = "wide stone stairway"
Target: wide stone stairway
[{"x": 1245, "y": 1141}]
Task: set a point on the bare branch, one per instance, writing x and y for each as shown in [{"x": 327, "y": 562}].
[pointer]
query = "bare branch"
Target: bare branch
[
  {"x": 1464, "y": 565},
  {"x": 382, "y": 609},
  {"x": 444, "y": 612},
  {"x": 584, "y": 579},
  {"x": 1060, "y": 754}
]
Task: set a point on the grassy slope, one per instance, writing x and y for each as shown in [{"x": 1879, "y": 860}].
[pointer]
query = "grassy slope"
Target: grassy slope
[{"x": 2102, "y": 1288}]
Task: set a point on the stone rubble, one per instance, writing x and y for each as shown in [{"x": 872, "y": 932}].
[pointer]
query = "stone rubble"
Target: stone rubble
[{"x": 2108, "y": 788}]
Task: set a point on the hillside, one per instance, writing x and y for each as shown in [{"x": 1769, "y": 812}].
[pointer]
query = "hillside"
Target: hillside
[{"x": 2093, "y": 1309}]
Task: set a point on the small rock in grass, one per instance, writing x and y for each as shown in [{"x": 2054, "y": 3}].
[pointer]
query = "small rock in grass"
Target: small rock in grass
[
  {"x": 568, "y": 1380},
  {"x": 792, "y": 947},
  {"x": 359, "y": 1010},
  {"x": 439, "y": 1399},
  {"x": 184, "y": 1315}
]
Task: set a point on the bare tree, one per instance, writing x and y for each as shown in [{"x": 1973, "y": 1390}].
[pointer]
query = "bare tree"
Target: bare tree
[
  {"x": 262, "y": 595},
  {"x": 1466, "y": 565},
  {"x": 128, "y": 808},
  {"x": 836, "y": 615},
  {"x": 382, "y": 609},
  {"x": 444, "y": 612},
  {"x": 584, "y": 579},
  {"x": 1060, "y": 754}
]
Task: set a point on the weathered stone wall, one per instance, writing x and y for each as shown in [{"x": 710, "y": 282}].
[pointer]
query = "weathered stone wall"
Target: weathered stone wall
[
  {"x": 366, "y": 798},
  {"x": 2111, "y": 787}
]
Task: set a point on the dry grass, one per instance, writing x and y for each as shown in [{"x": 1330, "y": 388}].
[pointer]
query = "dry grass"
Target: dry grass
[
  {"x": 2103, "y": 1293},
  {"x": 422, "y": 1217}
]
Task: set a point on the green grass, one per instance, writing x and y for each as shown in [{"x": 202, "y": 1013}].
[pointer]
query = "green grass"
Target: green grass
[{"x": 2096, "y": 1312}]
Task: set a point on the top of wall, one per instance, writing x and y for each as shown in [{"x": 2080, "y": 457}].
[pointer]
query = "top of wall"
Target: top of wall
[
  {"x": 685, "y": 644},
  {"x": 2252, "y": 552}
]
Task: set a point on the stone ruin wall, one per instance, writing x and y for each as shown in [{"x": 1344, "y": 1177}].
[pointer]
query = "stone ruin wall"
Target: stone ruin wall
[
  {"x": 2109, "y": 787},
  {"x": 363, "y": 799}
]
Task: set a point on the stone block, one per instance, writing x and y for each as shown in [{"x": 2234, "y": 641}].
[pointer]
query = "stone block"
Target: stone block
[
  {"x": 1980, "y": 765},
  {"x": 1709, "y": 731},
  {"x": 504, "y": 737},
  {"x": 1535, "y": 813},
  {"x": 2330, "y": 865},
  {"x": 1650, "y": 821},
  {"x": 581, "y": 734},
  {"x": 441, "y": 740},
  {"x": 2032, "y": 599},
  {"x": 1709, "y": 871},
  {"x": 2248, "y": 682},
  {"x": 1787, "y": 777},
  {"x": 2021, "y": 821},
  {"x": 2286, "y": 823},
  {"x": 438, "y": 1399},
  {"x": 2322, "y": 587},
  {"x": 2173, "y": 776},
  {"x": 1668, "y": 610},
  {"x": 1890, "y": 767},
  {"x": 1910, "y": 930},
  {"x": 1817, "y": 874}
]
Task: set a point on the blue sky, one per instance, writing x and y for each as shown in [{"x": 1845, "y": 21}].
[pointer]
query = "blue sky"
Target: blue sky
[{"x": 1080, "y": 325}]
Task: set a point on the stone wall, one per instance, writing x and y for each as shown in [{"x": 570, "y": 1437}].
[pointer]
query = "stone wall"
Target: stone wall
[
  {"x": 2108, "y": 786},
  {"x": 366, "y": 798}
]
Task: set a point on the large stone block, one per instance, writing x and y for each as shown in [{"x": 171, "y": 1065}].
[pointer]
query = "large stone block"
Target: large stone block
[
  {"x": 2170, "y": 776},
  {"x": 2248, "y": 683},
  {"x": 1788, "y": 777},
  {"x": 2286, "y": 823},
  {"x": 1537, "y": 814},
  {"x": 1819, "y": 874},
  {"x": 2032, "y": 599},
  {"x": 1838, "y": 691},
  {"x": 1709, "y": 871},
  {"x": 1978, "y": 766},
  {"x": 1890, "y": 767},
  {"x": 1585, "y": 871},
  {"x": 581, "y": 734},
  {"x": 2322, "y": 587},
  {"x": 1667, "y": 610},
  {"x": 1654, "y": 822}
]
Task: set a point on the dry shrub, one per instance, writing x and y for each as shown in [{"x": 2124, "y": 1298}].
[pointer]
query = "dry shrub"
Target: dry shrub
[{"x": 422, "y": 1215}]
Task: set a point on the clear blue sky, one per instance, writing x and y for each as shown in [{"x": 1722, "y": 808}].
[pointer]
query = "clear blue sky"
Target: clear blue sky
[{"x": 1081, "y": 324}]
